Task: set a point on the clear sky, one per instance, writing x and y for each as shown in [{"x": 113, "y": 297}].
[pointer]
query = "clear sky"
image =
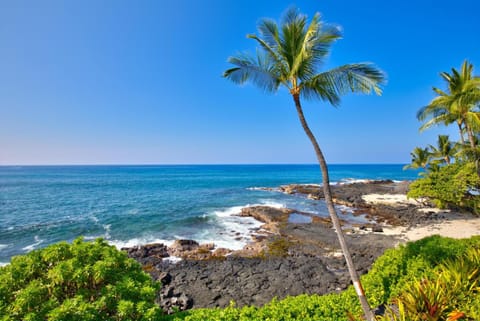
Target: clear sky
[{"x": 139, "y": 82}]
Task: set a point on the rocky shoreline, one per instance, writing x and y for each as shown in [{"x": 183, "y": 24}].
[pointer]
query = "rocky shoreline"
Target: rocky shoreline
[{"x": 285, "y": 258}]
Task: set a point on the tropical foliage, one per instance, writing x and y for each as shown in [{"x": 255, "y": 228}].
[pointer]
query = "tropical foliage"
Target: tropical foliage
[
  {"x": 290, "y": 55},
  {"x": 454, "y": 185},
  {"x": 445, "y": 150},
  {"x": 79, "y": 281},
  {"x": 420, "y": 158},
  {"x": 458, "y": 104},
  {"x": 452, "y": 168},
  {"x": 450, "y": 293}
]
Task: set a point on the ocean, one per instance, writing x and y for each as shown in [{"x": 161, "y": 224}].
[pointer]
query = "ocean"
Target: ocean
[{"x": 131, "y": 205}]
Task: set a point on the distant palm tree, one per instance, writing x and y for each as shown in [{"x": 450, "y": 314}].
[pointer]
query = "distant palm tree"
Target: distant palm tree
[
  {"x": 420, "y": 158},
  {"x": 445, "y": 149},
  {"x": 458, "y": 104},
  {"x": 290, "y": 55}
]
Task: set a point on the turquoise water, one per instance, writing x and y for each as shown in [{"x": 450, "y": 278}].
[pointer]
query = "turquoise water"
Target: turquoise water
[{"x": 129, "y": 205}]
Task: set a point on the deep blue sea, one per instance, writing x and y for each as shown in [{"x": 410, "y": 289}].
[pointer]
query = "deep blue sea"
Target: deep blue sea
[{"x": 129, "y": 205}]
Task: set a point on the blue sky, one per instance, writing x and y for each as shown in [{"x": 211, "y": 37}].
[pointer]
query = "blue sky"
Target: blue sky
[{"x": 139, "y": 82}]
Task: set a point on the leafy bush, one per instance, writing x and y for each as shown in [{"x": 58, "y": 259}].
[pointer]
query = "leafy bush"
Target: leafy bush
[
  {"x": 78, "y": 281},
  {"x": 394, "y": 271},
  {"x": 451, "y": 293},
  {"x": 449, "y": 186},
  {"x": 329, "y": 307}
]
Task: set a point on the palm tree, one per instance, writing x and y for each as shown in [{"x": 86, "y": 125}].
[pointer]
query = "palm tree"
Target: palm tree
[
  {"x": 445, "y": 149},
  {"x": 458, "y": 104},
  {"x": 420, "y": 158},
  {"x": 290, "y": 55}
]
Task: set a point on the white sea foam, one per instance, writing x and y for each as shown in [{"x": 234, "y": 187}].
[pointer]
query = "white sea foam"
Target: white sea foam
[
  {"x": 106, "y": 235},
  {"x": 234, "y": 210},
  {"x": 272, "y": 203},
  {"x": 32, "y": 247},
  {"x": 256, "y": 188},
  {"x": 3, "y": 264},
  {"x": 90, "y": 238},
  {"x": 238, "y": 232},
  {"x": 3, "y": 246},
  {"x": 232, "y": 231},
  {"x": 107, "y": 231},
  {"x": 347, "y": 181},
  {"x": 138, "y": 241},
  {"x": 264, "y": 189},
  {"x": 172, "y": 259},
  {"x": 227, "y": 238}
]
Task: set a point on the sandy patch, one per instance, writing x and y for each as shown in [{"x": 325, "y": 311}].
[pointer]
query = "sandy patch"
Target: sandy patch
[
  {"x": 389, "y": 199},
  {"x": 454, "y": 227},
  {"x": 399, "y": 200}
]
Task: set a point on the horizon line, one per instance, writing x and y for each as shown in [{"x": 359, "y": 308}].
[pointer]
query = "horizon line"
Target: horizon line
[{"x": 190, "y": 164}]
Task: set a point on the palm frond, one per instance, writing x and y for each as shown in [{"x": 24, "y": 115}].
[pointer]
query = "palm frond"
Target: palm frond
[
  {"x": 439, "y": 91},
  {"x": 321, "y": 87},
  {"x": 440, "y": 119},
  {"x": 292, "y": 52},
  {"x": 260, "y": 70},
  {"x": 277, "y": 59},
  {"x": 433, "y": 110},
  {"x": 420, "y": 158},
  {"x": 423, "y": 113},
  {"x": 268, "y": 30},
  {"x": 315, "y": 46},
  {"x": 360, "y": 77},
  {"x": 468, "y": 153},
  {"x": 473, "y": 119},
  {"x": 459, "y": 103},
  {"x": 466, "y": 70},
  {"x": 442, "y": 102},
  {"x": 293, "y": 34},
  {"x": 291, "y": 16},
  {"x": 446, "y": 76},
  {"x": 327, "y": 35},
  {"x": 302, "y": 64}
]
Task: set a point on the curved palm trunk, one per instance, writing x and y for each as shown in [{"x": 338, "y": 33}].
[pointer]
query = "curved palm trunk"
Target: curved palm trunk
[
  {"x": 471, "y": 137},
  {"x": 331, "y": 209},
  {"x": 462, "y": 139}
]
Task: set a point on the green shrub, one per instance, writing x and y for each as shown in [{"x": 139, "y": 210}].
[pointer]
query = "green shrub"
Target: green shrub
[
  {"x": 448, "y": 186},
  {"x": 78, "y": 281},
  {"x": 451, "y": 293},
  {"x": 394, "y": 271},
  {"x": 331, "y": 307}
]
